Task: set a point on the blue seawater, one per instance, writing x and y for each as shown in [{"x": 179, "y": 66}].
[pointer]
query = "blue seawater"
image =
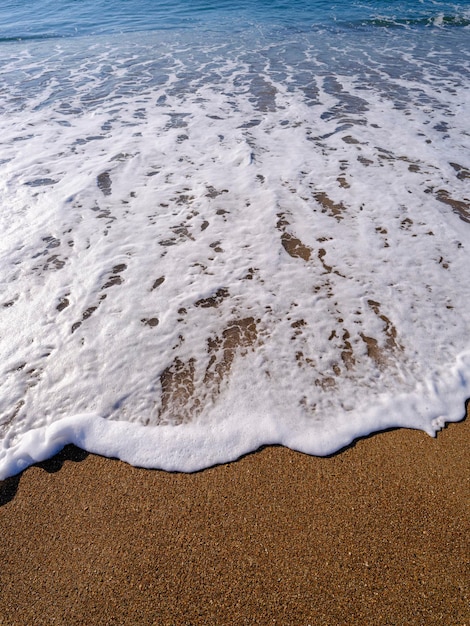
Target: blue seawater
[
  {"x": 33, "y": 19},
  {"x": 228, "y": 224}
]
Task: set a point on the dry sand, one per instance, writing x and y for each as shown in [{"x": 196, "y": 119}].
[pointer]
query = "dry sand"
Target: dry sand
[{"x": 375, "y": 535}]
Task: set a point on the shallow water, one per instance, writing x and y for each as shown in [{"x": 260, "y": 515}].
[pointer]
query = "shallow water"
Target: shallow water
[{"x": 228, "y": 225}]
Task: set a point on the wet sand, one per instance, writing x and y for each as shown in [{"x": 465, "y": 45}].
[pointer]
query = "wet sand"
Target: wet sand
[{"x": 377, "y": 534}]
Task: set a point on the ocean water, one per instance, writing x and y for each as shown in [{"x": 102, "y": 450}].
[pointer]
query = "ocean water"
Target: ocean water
[{"x": 227, "y": 224}]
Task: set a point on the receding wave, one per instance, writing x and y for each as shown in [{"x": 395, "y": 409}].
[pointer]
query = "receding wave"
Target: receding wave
[
  {"x": 32, "y": 37},
  {"x": 434, "y": 21}
]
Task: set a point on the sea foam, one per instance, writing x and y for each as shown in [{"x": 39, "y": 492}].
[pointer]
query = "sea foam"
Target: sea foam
[{"x": 210, "y": 248}]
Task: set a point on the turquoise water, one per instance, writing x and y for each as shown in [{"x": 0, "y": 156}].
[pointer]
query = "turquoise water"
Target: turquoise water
[{"x": 227, "y": 224}]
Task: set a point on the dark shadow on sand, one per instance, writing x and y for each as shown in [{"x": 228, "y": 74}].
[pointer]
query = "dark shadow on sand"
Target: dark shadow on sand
[
  {"x": 68, "y": 453},
  {"x": 9, "y": 487}
]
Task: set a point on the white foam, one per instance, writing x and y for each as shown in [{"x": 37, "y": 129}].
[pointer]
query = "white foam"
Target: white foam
[{"x": 314, "y": 252}]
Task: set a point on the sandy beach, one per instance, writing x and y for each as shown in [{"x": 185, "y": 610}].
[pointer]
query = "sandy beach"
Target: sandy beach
[{"x": 377, "y": 534}]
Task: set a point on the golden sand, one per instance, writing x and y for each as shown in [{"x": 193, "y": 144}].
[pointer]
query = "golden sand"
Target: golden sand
[{"x": 378, "y": 534}]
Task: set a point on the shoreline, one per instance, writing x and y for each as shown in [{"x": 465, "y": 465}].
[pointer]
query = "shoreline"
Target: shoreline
[{"x": 376, "y": 533}]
